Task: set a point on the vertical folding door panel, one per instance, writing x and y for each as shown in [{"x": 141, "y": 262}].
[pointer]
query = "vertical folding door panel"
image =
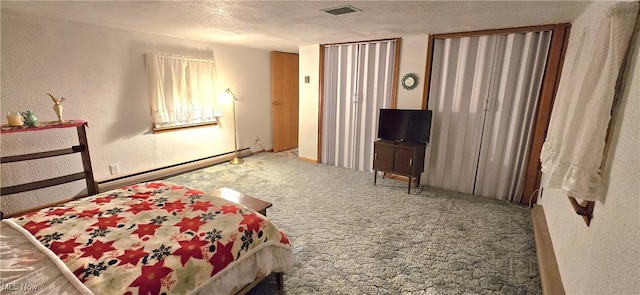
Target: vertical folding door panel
[
  {"x": 483, "y": 94},
  {"x": 339, "y": 87},
  {"x": 357, "y": 83},
  {"x": 375, "y": 73},
  {"x": 506, "y": 139},
  {"x": 460, "y": 76}
]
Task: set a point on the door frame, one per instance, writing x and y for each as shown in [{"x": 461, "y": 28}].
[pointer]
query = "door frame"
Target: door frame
[
  {"x": 394, "y": 89},
  {"x": 548, "y": 89}
]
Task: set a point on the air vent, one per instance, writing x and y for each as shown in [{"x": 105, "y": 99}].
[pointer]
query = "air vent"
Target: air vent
[{"x": 341, "y": 10}]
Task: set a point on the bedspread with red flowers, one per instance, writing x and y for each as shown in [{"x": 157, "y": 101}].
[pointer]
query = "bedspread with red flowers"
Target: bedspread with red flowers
[{"x": 150, "y": 238}]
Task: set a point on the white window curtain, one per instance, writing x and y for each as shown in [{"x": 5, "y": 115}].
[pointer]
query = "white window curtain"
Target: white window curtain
[
  {"x": 182, "y": 89},
  {"x": 484, "y": 92},
  {"x": 573, "y": 150},
  {"x": 357, "y": 84}
]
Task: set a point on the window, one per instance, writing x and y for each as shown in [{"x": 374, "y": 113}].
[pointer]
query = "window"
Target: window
[{"x": 182, "y": 90}]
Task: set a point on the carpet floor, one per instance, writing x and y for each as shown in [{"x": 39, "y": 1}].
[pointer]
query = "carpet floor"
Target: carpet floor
[{"x": 351, "y": 237}]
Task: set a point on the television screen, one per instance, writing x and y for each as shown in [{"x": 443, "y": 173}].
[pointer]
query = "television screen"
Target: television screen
[{"x": 404, "y": 125}]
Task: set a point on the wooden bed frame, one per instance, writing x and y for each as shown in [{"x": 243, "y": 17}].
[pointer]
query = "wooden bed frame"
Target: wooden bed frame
[{"x": 86, "y": 174}]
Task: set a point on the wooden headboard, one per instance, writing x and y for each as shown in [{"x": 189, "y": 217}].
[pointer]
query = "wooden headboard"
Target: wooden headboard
[{"x": 82, "y": 148}]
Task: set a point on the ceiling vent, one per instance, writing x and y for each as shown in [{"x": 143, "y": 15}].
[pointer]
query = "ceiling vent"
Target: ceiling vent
[{"x": 341, "y": 10}]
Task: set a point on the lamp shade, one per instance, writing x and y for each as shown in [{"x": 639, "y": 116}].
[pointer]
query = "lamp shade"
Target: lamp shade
[{"x": 225, "y": 97}]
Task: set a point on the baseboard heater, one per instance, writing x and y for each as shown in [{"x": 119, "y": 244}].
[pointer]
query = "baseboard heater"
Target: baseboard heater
[{"x": 168, "y": 171}]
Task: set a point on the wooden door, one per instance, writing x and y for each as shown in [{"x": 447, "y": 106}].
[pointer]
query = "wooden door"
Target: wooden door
[{"x": 284, "y": 77}]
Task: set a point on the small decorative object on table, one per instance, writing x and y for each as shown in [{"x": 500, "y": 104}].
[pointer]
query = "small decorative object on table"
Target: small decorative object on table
[
  {"x": 57, "y": 107},
  {"x": 14, "y": 119},
  {"x": 30, "y": 119}
]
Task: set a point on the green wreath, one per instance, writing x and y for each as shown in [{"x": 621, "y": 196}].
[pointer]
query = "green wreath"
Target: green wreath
[{"x": 410, "y": 81}]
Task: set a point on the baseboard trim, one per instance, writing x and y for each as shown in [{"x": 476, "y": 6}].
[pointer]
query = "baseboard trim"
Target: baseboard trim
[
  {"x": 396, "y": 177},
  {"x": 547, "y": 263},
  {"x": 262, "y": 151},
  {"x": 168, "y": 171},
  {"x": 400, "y": 177},
  {"x": 308, "y": 160}
]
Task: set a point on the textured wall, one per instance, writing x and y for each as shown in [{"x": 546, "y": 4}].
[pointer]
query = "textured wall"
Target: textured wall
[
  {"x": 308, "y": 126},
  {"x": 413, "y": 59},
  {"x": 604, "y": 258},
  {"x": 101, "y": 73}
]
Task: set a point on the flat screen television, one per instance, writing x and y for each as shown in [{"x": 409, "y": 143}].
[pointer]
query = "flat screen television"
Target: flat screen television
[{"x": 404, "y": 125}]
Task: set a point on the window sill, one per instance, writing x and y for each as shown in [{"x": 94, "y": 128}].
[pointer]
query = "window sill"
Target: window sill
[{"x": 182, "y": 126}]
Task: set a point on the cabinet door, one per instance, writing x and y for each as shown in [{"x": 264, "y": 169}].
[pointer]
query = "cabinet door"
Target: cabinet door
[
  {"x": 404, "y": 161},
  {"x": 383, "y": 157}
]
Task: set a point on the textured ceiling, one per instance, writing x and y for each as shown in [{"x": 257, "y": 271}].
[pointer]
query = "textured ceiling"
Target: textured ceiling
[{"x": 285, "y": 25}]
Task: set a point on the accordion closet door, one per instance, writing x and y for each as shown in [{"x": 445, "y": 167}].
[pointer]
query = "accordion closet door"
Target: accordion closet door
[
  {"x": 484, "y": 92},
  {"x": 358, "y": 82}
]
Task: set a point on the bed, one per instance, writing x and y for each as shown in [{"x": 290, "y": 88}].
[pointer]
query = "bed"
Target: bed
[{"x": 148, "y": 238}]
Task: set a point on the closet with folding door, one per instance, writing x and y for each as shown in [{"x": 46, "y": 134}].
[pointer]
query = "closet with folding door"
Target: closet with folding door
[
  {"x": 358, "y": 80},
  {"x": 484, "y": 93}
]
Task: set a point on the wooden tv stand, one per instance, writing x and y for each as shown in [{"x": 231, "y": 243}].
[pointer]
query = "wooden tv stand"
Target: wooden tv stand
[{"x": 401, "y": 158}]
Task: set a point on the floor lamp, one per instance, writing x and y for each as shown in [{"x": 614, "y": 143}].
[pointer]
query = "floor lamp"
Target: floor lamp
[{"x": 233, "y": 97}]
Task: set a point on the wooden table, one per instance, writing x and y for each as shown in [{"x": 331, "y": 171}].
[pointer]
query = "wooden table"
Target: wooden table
[{"x": 252, "y": 203}]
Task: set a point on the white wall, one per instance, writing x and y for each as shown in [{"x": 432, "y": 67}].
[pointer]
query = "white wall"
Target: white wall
[
  {"x": 413, "y": 58},
  {"x": 604, "y": 258},
  {"x": 101, "y": 73},
  {"x": 309, "y": 57}
]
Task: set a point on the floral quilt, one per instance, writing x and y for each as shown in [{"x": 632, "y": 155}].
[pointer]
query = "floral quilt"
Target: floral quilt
[{"x": 150, "y": 238}]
